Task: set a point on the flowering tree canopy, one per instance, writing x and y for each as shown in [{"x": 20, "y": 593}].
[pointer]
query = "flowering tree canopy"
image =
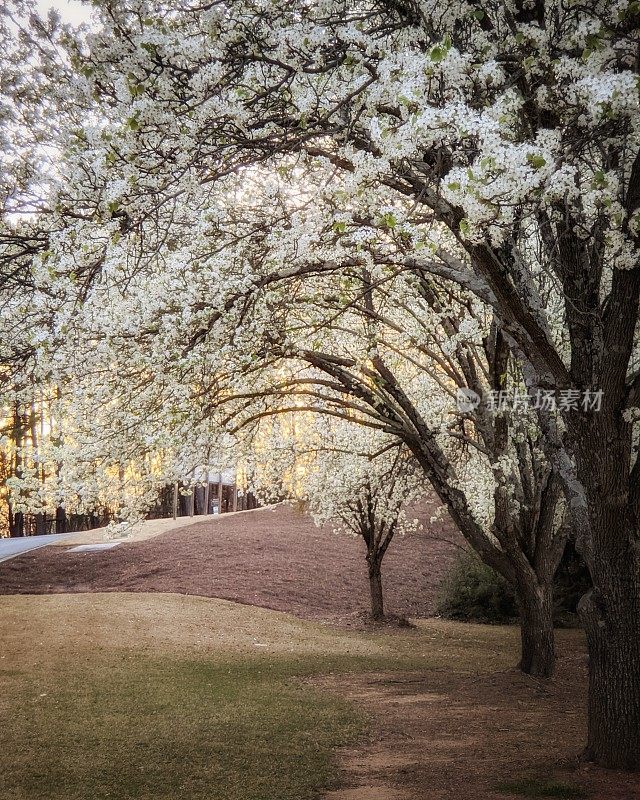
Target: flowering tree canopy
[{"x": 367, "y": 206}]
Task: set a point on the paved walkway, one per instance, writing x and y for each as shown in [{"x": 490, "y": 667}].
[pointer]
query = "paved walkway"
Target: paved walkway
[
  {"x": 9, "y": 548},
  {"x": 148, "y": 529}
]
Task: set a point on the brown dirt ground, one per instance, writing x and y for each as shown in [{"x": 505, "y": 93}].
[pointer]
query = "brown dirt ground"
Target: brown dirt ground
[
  {"x": 274, "y": 558},
  {"x": 444, "y": 736}
]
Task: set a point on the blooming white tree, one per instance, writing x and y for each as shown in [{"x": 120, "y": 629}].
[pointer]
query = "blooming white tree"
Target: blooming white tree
[
  {"x": 347, "y": 476},
  {"x": 368, "y": 497},
  {"x": 362, "y": 336},
  {"x": 498, "y": 148}
]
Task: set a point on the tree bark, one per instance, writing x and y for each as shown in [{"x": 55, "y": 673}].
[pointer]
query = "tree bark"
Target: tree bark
[
  {"x": 614, "y": 682},
  {"x": 61, "y": 520},
  {"x": 16, "y": 523},
  {"x": 536, "y": 630},
  {"x": 610, "y": 611},
  {"x": 375, "y": 587}
]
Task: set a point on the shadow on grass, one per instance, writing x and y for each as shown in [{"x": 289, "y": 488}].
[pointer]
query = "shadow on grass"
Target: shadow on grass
[{"x": 537, "y": 787}]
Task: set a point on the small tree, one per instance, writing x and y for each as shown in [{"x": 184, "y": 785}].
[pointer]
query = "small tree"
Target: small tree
[
  {"x": 373, "y": 507},
  {"x": 355, "y": 479}
]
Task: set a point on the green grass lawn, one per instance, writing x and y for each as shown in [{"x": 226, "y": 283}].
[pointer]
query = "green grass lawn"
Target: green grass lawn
[
  {"x": 542, "y": 787},
  {"x": 168, "y": 697},
  {"x": 135, "y": 726}
]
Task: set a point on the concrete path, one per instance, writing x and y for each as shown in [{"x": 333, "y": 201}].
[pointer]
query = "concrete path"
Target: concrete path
[
  {"x": 148, "y": 529},
  {"x": 9, "y": 548}
]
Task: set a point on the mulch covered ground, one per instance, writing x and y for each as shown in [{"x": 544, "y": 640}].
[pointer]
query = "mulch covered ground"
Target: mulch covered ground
[
  {"x": 274, "y": 558},
  {"x": 496, "y": 736}
]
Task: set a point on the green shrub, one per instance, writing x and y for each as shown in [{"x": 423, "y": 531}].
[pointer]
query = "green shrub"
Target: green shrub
[{"x": 473, "y": 592}]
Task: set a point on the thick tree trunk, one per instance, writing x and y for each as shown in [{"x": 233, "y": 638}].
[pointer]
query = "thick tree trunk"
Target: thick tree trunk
[
  {"x": 538, "y": 655},
  {"x": 375, "y": 587},
  {"x": 610, "y": 611},
  {"x": 611, "y": 616}
]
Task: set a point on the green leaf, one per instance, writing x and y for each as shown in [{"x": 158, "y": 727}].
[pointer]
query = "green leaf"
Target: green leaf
[
  {"x": 593, "y": 41},
  {"x": 389, "y": 221},
  {"x": 536, "y": 161},
  {"x": 464, "y": 226}
]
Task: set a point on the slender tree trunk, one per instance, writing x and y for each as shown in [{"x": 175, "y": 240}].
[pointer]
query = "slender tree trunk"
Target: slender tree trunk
[
  {"x": 36, "y": 444},
  {"x": 16, "y": 523},
  {"x": 375, "y": 587},
  {"x": 61, "y": 520},
  {"x": 17, "y": 518},
  {"x": 536, "y": 630}
]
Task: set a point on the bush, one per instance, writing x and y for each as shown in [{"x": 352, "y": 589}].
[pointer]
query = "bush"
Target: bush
[{"x": 473, "y": 592}]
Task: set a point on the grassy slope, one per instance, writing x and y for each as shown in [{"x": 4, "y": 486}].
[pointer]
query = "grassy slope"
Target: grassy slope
[{"x": 133, "y": 696}]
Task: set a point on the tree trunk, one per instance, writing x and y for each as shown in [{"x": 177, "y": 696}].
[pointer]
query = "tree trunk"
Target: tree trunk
[
  {"x": 16, "y": 523},
  {"x": 536, "y": 630},
  {"x": 61, "y": 520},
  {"x": 375, "y": 587},
  {"x": 612, "y": 623},
  {"x": 36, "y": 444},
  {"x": 610, "y": 611}
]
